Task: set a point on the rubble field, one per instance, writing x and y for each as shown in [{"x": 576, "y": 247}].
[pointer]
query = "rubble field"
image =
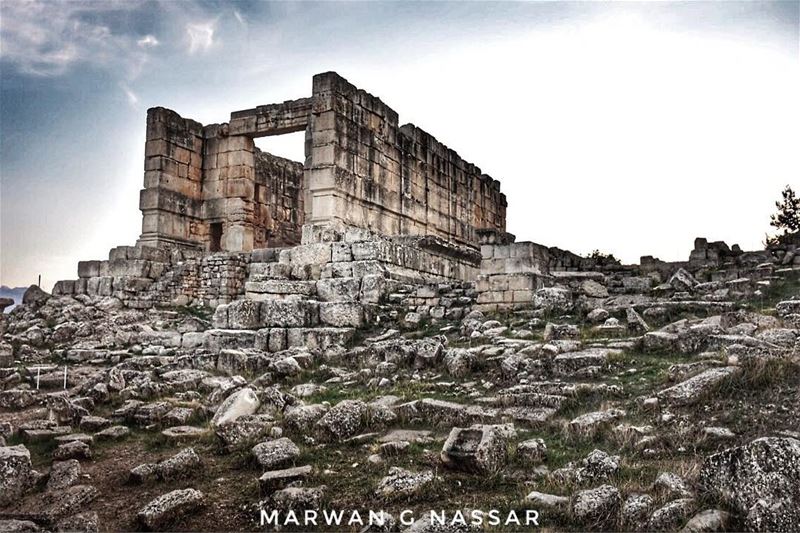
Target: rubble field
[{"x": 673, "y": 411}]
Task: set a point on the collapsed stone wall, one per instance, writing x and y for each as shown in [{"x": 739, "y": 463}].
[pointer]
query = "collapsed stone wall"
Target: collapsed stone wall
[{"x": 142, "y": 277}]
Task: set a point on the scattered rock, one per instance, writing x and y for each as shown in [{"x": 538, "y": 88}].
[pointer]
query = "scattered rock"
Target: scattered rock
[
  {"x": 275, "y": 453},
  {"x": 480, "y": 449},
  {"x": 760, "y": 480},
  {"x": 402, "y": 483},
  {"x": 169, "y": 508}
]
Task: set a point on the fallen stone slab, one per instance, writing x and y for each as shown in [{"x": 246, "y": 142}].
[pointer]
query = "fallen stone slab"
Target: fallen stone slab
[
  {"x": 297, "y": 498},
  {"x": 178, "y": 434},
  {"x": 279, "y": 479},
  {"x": 542, "y": 501},
  {"x": 64, "y": 474},
  {"x": 18, "y": 526},
  {"x": 113, "y": 433},
  {"x": 589, "y": 424},
  {"x": 402, "y": 483},
  {"x": 444, "y": 413},
  {"x": 69, "y": 501},
  {"x": 169, "y": 508},
  {"x": 698, "y": 387},
  {"x": 181, "y": 465}
]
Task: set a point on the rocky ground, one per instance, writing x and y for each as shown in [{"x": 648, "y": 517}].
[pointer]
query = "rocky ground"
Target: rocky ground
[{"x": 661, "y": 412}]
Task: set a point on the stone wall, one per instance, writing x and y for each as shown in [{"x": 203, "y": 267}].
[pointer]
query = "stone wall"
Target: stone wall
[
  {"x": 143, "y": 277},
  {"x": 367, "y": 171},
  {"x": 279, "y": 211}
]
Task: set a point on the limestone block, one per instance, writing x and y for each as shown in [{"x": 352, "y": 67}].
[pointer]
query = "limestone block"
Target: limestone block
[
  {"x": 136, "y": 268},
  {"x": 292, "y": 314},
  {"x": 279, "y": 286},
  {"x": 311, "y": 254},
  {"x": 338, "y": 289},
  {"x": 88, "y": 269},
  {"x": 243, "y": 314},
  {"x": 341, "y": 314},
  {"x": 341, "y": 251},
  {"x": 318, "y": 338},
  {"x": 277, "y": 340}
]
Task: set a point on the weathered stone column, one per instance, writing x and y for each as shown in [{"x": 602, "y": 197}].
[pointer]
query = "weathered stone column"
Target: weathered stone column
[{"x": 171, "y": 199}]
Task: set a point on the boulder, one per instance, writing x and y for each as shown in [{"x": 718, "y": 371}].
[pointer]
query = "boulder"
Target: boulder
[
  {"x": 302, "y": 418},
  {"x": 532, "y": 451},
  {"x": 344, "y": 420},
  {"x": 402, "y": 483},
  {"x": 479, "y": 449},
  {"x": 5, "y": 302},
  {"x": 698, "y": 387},
  {"x": 672, "y": 515},
  {"x": 760, "y": 480},
  {"x": 635, "y": 511},
  {"x": 16, "y": 473},
  {"x": 275, "y": 453},
  {"x": 459, "y": 362},
  {"x": 64, "y": 474},
  {"x": 597, "y": 507},
  {"x": 72, "y": 450},
  {"x": 169, "y": 507},
  {"x": 240, "y": 403},
  {"x": 597, "y": 316},
  {"x": 34, "y": 296},
  {"x": 707, "y": 521}
]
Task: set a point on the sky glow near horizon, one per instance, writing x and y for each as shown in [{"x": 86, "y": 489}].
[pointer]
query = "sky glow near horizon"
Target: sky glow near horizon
[{"x": 625, "y": 127}]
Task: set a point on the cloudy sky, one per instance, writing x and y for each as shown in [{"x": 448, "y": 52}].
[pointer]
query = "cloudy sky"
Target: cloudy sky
[{"x": 627, "y": 127}]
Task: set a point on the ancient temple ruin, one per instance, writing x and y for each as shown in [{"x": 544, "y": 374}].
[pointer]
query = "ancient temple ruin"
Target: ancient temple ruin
[
  {"x": 381, "y": 221},
  {"x": 210, "y": 188}
]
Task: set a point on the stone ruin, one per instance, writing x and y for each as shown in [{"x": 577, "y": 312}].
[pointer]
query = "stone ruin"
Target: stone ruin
[
  {"x": 262, "y": 289},
  {"x": 377, "y": 214}
]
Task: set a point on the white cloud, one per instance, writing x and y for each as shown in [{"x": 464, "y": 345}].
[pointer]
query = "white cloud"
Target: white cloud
[
  {"x": 49, "y": 38},
  {"x": 201, "y": 36},
  {"x": 147, "y": 41}
]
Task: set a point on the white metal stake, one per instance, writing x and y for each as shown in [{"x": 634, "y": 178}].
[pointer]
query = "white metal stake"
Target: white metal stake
[
  {"x": 65, "y": 377},
  {"x": 38, "y": 372}
]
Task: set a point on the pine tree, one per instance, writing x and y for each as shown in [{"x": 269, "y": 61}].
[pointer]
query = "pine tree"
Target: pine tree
[{"x": 788, "y": 216}]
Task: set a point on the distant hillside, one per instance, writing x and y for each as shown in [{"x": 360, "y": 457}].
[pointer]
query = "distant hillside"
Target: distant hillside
[{"x": 13, "y": 293}]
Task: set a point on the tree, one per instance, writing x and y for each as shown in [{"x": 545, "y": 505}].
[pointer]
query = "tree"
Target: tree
[
  {"x": 787, "y": 219},
  {"x": 603, "y": 258}
]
